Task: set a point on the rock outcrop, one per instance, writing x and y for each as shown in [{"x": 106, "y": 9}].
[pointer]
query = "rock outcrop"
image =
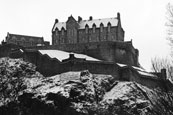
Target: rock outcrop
[{"x": 24, "y": 91}]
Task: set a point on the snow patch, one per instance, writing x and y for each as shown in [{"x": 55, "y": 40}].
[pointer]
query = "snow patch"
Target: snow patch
[{"x": 61, "y": 55}]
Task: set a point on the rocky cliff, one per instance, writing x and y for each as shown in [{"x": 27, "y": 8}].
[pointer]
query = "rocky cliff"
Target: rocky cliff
[{"x": 24, "y": 91}]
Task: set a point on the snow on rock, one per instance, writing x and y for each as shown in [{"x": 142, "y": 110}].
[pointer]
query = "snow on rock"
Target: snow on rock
[{"x": 26, "y": 92}]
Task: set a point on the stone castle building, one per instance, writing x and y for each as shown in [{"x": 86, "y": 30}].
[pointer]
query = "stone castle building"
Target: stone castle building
[
  {"x": 25, "y": 41},
  {"x": 99, "y": 38},
  {"x": 85, "y": 31}
]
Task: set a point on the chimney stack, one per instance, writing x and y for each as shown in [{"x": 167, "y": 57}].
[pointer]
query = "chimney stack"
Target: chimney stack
[
  {"x": 56, "y": 21},
  {"x": 79, "y": 18},
  {"x": 118, "y": 16},
  {"x": 90, "y": 18}
]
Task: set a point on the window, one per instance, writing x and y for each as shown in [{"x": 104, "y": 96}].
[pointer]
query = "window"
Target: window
[
  {"x": 94, "y": 28},
  {"x": 56, "y": 31},
  {"x": 62, "y": 31},
  {"x": 101, "y": 27},
  {"x": 86, "y": 29},
  {"x": 109, "y": 27}
]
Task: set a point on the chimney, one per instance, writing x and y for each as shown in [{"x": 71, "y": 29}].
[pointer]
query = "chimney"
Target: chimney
[
  {"x": 163, "y": 74},
  {"x": 56, "y": 21},
  {"x": 79, "y": 18},
  {"x": 90, "y": 18},
  {"x": 118, "y": 16}
]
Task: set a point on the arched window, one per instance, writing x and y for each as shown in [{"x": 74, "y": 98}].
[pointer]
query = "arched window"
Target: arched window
[
  {"x": 94, "y": 28},
  {"x": 56, "y": 31},
  {"x": 101, "y": 27},
  {"x": 109, "y": 27},
  {"x": 62, "y": 31},
  {"x": 86, "y": 28}
]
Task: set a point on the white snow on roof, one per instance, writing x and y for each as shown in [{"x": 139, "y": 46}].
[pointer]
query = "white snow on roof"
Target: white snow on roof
[
  {"x": 147, "y": 74},
  {"x": 61, "y": 55},
  {"x": 137, "y": 68},
  {"x": 97, "y": 22},
  {"x": 121, "y": 65},
  {"x": 60, "y": 25}
]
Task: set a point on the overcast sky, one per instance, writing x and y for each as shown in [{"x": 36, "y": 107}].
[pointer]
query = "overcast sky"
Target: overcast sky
[{"x": 143, "y": 20}]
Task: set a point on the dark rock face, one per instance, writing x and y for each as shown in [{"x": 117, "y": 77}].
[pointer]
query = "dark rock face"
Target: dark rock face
[{"x": 23, "y": 91}]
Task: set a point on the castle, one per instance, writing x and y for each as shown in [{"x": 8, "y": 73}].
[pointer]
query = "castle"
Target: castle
[
  {"x": 85, "y": 31},
  {"x": 102, "y": 39},
  {"x": 99, "y": 38},
  {"x": 96, "y": 45}
]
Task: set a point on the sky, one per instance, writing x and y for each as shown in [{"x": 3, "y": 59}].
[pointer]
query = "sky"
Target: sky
[{"x": 143, "y": 20}]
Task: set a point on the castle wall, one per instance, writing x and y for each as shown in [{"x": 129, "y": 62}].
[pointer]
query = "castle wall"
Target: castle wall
[
  {"x": 83, "y": 37},
  {"x": 132, "y": 75},
  {"x": 6, "y": 49},
  {"x": 51, "y": 66},
  {"x": 120, "y": 52}
]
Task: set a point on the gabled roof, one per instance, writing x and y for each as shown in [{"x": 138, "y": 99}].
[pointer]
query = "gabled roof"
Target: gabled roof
[
  {"x": 90, "y": 23},
  {"x": 60, "y": 25}
]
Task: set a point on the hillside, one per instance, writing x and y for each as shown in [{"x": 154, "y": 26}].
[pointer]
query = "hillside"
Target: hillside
[{"x": 24, "y": 91}]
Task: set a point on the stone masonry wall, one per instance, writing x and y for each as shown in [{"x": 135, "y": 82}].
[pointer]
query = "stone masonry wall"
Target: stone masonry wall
[
  {"x": 120, "y": 52},
  {"x": 51, "y": 66}
]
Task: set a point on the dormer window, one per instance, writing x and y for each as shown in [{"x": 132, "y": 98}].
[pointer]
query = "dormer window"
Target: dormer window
[
  {"x": 101, "y": 27},
  {"x": 94, "y": 28},
  {"x": 86, "y": 28},
  {"x": 109, "y": 27}
]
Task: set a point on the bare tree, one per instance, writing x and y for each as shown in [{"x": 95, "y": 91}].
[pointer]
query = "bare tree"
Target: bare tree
[
  {"x": 159, "y": 63},
  {"x": 169, "y": 24}
]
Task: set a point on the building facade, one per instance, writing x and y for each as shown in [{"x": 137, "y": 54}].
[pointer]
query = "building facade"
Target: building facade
[
  {"x": 102, "y": 39},
  {"x": 86, "y": 31},
  {"x": 25, "y": 41}
]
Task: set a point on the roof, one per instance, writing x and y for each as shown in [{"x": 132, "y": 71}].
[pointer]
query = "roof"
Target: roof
[
  {"x": 61, "y": 55},
  {"x": 83, "y": 23},
  {"x": 97, "y": 22},
  {"x": 139, "y": 70},
  {"x": 60, "y": 25},
  {"x": 23, "y": 36}
]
